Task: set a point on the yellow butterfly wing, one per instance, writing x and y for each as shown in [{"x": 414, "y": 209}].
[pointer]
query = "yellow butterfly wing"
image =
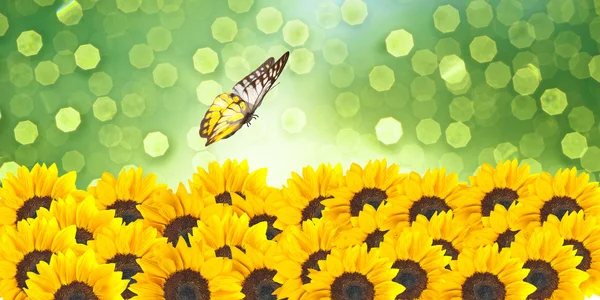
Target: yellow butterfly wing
[{"x": 224, "y": 117}]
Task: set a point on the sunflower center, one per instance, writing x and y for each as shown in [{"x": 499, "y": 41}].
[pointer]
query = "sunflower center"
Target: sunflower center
[
  {"x": 30, "y": 207},
  {"x": 75, "y": 290},
  {"x": 352, "y": 286},
  {"x": 412, "y": 277},
  {"x": 259, "y": 285},
  {"x": 502, "y": 196},
  {"x": 586, "y": 262},
  {"x": 186, "y": 284},
  {"x": 83, "y": 236},
  {"x": 427, "y": 206},
  {"x": 180, "y": 227},
  {"x": 374, "y": 238},
  {"x": 225, "y": 251},
  {"x": 127, "y": 210},
  {"x": 314, "y": 209},
  {"x": 312, "y": 263},
  {"x": 272, "y": 232},
  {"x": 543, "y": 276},
  {"x": 371, "y": 196},
  {"x": 225, "y": 197},
  {"x": 29, "y": 264},
  {"x": 483, "y": 286},
  {"x": 506, "y": 238},
  {"x": 127, "y": 264},
  {"x": 558, "y": 206}
]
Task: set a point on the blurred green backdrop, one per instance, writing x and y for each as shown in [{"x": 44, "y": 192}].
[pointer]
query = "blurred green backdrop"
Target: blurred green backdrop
[{"x": 98, "y": 85}]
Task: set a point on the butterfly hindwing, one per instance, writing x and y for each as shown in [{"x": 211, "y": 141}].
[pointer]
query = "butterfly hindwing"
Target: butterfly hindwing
[{"x": 224, "y": 117}]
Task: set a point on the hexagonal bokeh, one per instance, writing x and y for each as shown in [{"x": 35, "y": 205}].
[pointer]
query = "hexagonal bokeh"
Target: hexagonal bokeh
[
  {"x": 73, "y": 161},
  {"x": 532, "y": 145},
  {"x": 461, "y": 109},
  {"x": 141, "y": 56},
  {"x": 165, "y": 75},
  {"x": 240, "y": 6},
  {"x": 301, "y": 61},
  {"x": 269, "y": 20},
  {"x": 293, "y": 120},
  {"x": 542, "y": 26},
  {"x": 195, "y": 142},
  {"x": 205, "y": 60},
  {"x": 335, "y": 51},
  {"x": 567, "y": 44},
  {"x": 236, "y": 67},
  {"x": 458, "y": 135},
  {"x": 497, "y": 75},
  {"x": 341, "y": 75},
  {"x": 347, "y": 104},
  {"x": 446, "y": 18},
  {"x": 526, "y": 81},
  {"x": 21, "y": 105},
  {"x": 104, "y": 108},
  {"x": 156, "y": 144},
  {"x": 100, "y": 83},
  {"x": 68, "y": 119},
  {"x": 446, "y": 47},
  {"x": 505, "y": 151},
  {"x": 521, "y": 34},
  {"x": 581, "y": 119},
  {"x": 560, "y": 11},
  {"x": 21, "y": 74},
  {"x": 554, "y": 101},
  {"x": 590, "y": 161},
  {"x": 388, "y": 130},
  {"x": 453, "y": 69},
  {"x": 29, "y": 43},
  {"x": 594, "y": 67},
  {"x": 65, "y": 61},
  {"x": 483, "y": 49},
  {"x": 46, "y": 72},
  {"x": 207, "y": 91},
  {"x": 3, "y": 25},
  {"x": 424, "y": 62},
  {"x": 329, "y": 14},
  {"x": 399, "y": 43},
  {"x": 70, "y": 14},
  {"x": 422, "y": 88},
  {"x": 381, "y": 78},
  {"x": 574, "y": 145},
  {"x": 354, "y": 12},
  {"x": 26, "y": 132},
  {"x": 428, "y": 131},
  {"x": 523, "y": 107},
  {"x": 479, "y": 13},
  {"x": 128, "y": 6},
  {"x": 133, "y": 105},
  {"x": 509, "y": 11},
  {"x": 159, "y": 38},
  {"x": 110, "y": 135},
  {"x": 87, "y": 57},
  {"x": 579, "y": 65},
  {"x": 224, "y": 29}
]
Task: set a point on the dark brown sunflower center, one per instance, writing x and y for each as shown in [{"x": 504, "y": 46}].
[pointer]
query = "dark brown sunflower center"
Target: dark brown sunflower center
[
  {"x": 543, "y": 276},
  {"x": 186, "y": 284},
  {"x": 312, "y": 263},
  {"x": 127, "y": 264},
  {"x": 83, "y": 236},
  {"x": 586, "y": 262},
  {"x": 506, "y": 238},
  {"x": 352, "y": 286},
  {"x": 314, "y": 209},
  {"x": 225, "y": 251},
  {"x": 76, "y": 290},
  {"x": 259, "y": 285},
  {"x": 558, "y": 206},
  {"x": 427, "y": 206},
  {"x": 225, "y": 197},
  {"x": 29, "y": 264},
  {"x": 374, "y": 238},
  {"x": 31, "y": 206},
  {"x": 502, "y": 196},
  {"x": 127, "y": 210},
  {"x": 272, "y": 232},
  {"x": 180, "y": 227},
  {"x": 483, "y": 286},
  {"x": 371, "y": 196},
  {"x": 450, "y": 250},
  {"x": 412, "y": 277}
]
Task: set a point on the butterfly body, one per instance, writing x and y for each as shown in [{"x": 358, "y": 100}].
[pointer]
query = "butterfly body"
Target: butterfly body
[{"x": 230, "y": 111}]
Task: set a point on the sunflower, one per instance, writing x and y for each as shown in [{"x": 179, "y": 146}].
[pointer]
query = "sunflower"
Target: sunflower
[
  {"x": 24, "y": 194},
  {"x": 500, "y": 227},
  {"x": 259, "y": 209},
  {"x": 421, "y": 263},
  {"x": 256, "y": 270},
  {"x": 506, "y": 184},
  {"x": 486, "y": 273},
  {"x": 565, "y": 192},
  {"x": 369, "y": 227},
  {"x": 582, "y": 234},
  {"x": 354, "y": 273},
  {"x": 23, "y": 247},
  {"x": 300, "y": 249},
  {"x": 69, "y": 276},
  {"x": 232, "y": 180},
  {"x": 124, "y": 193},
  {"x": 373, "y": 185},
  {"x": 85, "y": 215},
  {"x": 124, "y": 246},
  {"x": 185, "y": 272},
  {"x": 301, "y": 199},
  {"x": 423, "y": 196},
  {"x": 175, "y": 214},
  {"x": 222, "y": 233},
  {"x": 446, "y": 230},
  {"x": 552, "y": 264}
]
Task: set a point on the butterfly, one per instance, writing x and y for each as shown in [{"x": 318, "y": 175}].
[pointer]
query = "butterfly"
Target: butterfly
[{"x": 230, "y": 111}]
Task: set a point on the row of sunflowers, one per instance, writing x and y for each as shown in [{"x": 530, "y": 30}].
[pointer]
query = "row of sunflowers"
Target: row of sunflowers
[{"x": 367, "y": 232}]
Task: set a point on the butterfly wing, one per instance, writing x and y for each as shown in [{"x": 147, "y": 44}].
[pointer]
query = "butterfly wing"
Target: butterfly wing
[
  {"x": 224, "y": 117},
  {"x": 255, "y": 86}
]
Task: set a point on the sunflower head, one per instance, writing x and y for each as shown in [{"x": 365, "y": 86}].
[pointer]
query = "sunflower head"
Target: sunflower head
[
  {"x": 500, "y": 227},
  {"x": 69, "y": 276},
  {"x": 259, "y": 210},
  {"x": 257, "y": 271},
  {"x": 22, "y": 195},
  {"x": 370, "y": 227},
  {"x": 124, "y": 193},
  {"x": 446, "y": 230}
]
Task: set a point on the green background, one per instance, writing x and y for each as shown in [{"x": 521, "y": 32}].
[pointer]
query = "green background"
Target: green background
[{"x": 468, "y": 82}]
